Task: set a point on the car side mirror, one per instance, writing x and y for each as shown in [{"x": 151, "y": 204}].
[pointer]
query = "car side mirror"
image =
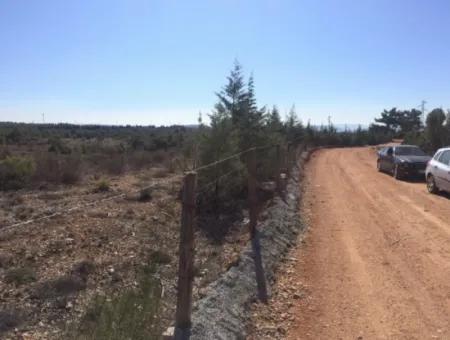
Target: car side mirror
[{"x": 390, "y": 152}]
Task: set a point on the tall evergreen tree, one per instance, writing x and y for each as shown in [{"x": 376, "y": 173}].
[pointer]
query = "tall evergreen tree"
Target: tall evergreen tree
[
  {"x": 274, "y": 120},
  {"x": 309, "y": 133},
  {"x": 293, "y": 126},
  {"x": 233, "y": 96},
  {"x": 250, "y": 126}
]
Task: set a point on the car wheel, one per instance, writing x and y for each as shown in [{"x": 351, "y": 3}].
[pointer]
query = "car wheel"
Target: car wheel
[
  {"x": 397, "y": 174},
  {"x": 379, "y": 165},
  {"x": 431, "y": 185}
]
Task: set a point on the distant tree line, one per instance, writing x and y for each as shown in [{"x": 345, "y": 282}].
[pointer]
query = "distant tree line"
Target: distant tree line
[
  {"x": 136, "y": 137},
  {"x": 408, "y": 125},
  {"x": 39, "y": 154}
]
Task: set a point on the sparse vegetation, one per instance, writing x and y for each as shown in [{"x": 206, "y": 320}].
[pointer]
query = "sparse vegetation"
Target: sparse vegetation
[
  {"x": 159, "y": 257},
  {"x": 133, "y": 314},
  {"x": 145, "y": 195},
  {"x": 8, "y": 320},
  {"x": 61, "y": 287},
  {"x": 20, "y": 276},
  {"x": 65, "y": 153},
  {"x": 15, "y": 172},
  {"x": 102, "y": 185}
]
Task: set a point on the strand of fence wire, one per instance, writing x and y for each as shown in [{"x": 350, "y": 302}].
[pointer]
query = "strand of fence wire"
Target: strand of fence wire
[
  {"x": 121, "y": 195},
  {"x": 236, "y": 155},
  {"x": 78, "y": 207},
  {"x": 206, "y": 186}
]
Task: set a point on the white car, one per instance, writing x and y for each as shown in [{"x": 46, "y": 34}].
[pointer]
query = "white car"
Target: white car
[{"x": 438, "y": 171}]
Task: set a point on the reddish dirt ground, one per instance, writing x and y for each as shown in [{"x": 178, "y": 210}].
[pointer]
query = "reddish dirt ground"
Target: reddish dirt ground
[{"x": 375, "y": 262}]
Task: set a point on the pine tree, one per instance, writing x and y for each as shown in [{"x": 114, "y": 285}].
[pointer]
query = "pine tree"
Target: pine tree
[
  {"x": 233, "y": 96},
  {"x": 274, "y": 125},
  {"x": 250, "y": 127},
  {"x": 293, "y": 126},
  {"x": 221, "y": 138},
  {"x": 310, "y": 133}
]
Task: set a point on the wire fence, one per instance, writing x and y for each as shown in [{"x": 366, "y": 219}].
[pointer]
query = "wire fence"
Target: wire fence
[
  {"x": 77, "y": 207},
  {"x": 216, "y": 175},
  {"x": 218, "y": 195},
  {"x": 215, "y": 197}
]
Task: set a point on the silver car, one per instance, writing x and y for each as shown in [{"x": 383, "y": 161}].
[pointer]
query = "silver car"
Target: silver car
[{"x": 438, "y": 171}]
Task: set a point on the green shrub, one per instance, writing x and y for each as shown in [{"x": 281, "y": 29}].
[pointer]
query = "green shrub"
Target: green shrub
[
  {"x": 102, "y": 185},
  {"x": 58, "y": 168},
  {"x": 112, "y": 164},
  {"x": 4, "y": 152},
  {"x": 20, "y": 276},
  {"x": 139, "y": 159},
  {"x": 15, "y": 172},
  {"x": 71, "y": 169},
  {"x": 67, "y": 285},
  {"x": 57, "y": 145},
  {"x": 134, "y": 314},
  {"x": 9, "y": 319},
  {"x": 145, "y": 195},
  {"x": 47, "y": 168},
  {"x": 159, "y": 157},
  {"x": 159, "y": 257}
]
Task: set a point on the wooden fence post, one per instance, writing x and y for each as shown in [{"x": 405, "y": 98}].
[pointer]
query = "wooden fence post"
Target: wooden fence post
[
  {"x": 288, "y": 160},
  {"x": 252, "y": 195},
  {"x": 278, "y": 170},
  {"x": 253, "y": 215},
  {"x": 186, "y": 258}
]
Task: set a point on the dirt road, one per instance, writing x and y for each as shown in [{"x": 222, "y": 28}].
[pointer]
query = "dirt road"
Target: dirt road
[{"x": 376, "y": 261}]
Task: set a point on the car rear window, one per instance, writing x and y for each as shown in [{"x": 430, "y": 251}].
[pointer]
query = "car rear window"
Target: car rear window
[
  {"x": 445, "y": 158},
  {"x": 409, "y": 151}
]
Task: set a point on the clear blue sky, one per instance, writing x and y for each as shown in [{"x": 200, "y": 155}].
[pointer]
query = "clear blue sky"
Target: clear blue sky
[{"x": 159, "y": 62}]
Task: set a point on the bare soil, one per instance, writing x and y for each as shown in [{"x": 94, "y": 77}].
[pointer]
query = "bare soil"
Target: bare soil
[
  {"x": 51, "y": 270},
  {"x": 374, "y": 264}
]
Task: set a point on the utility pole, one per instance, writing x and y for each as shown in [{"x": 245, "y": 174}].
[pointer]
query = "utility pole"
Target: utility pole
[
  {"x": 43, "y": 118},
  {"x": 422, "y": 108}
]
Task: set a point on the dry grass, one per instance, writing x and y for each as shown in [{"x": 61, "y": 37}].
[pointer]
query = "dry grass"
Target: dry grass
[{"x": 161, "y": 173}]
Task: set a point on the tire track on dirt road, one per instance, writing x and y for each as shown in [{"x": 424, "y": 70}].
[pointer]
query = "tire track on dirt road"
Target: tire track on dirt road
[{"x": 377, "y": 258}]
